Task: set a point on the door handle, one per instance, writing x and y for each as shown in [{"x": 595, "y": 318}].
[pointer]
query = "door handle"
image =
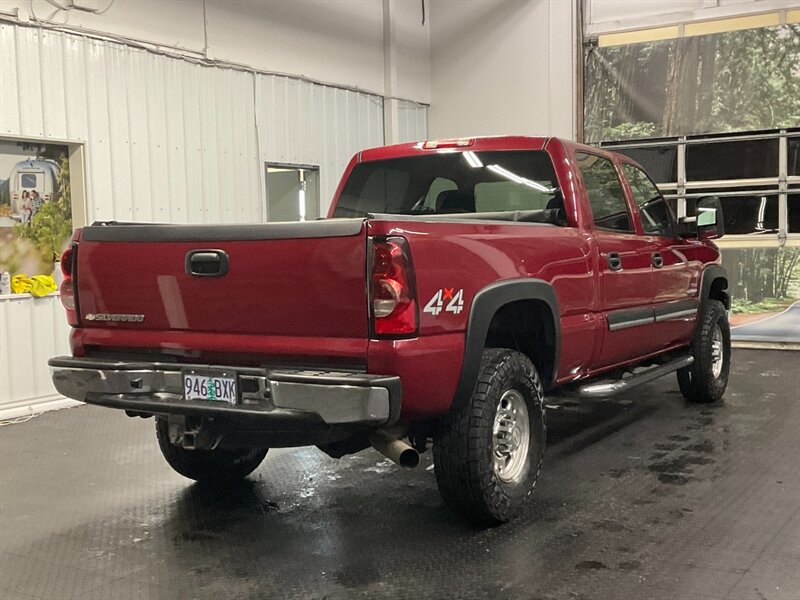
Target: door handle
[
  {"x": 207, "y": 263},
  {"x": 658, "y": 260},
  {"x": 614, "y": 261}
]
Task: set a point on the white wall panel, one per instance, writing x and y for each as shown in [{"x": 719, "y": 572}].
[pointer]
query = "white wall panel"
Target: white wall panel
[
  {"x": 302, "y": 123},
  {"x": 500, "y": 68},
  {"x": 333, "y": 41},
  {"x": 31, "y": 331},
  {"x": 166, "y": 139},
  {"x": 412, "y": 122},
  {"x": 170, "y": 140}
]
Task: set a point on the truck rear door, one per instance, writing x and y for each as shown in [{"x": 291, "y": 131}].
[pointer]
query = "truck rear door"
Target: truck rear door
[{"x": 624, "y": 264}]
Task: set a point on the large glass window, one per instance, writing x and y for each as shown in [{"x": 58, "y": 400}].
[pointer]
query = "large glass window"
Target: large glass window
[
  {"x": 453, "y": 182},
  {"x": 793, "y": 146},
  {"x": 793, "y": 209},
  {"x": 745, "y": 213},
  {"x": 661, "y": 162},
  {"x": 653, "y": 210},
  {"x": 741, "y": 159},
  {"x": 609, "y": 208}
]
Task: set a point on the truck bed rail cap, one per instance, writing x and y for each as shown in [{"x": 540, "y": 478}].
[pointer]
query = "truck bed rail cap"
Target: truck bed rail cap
[{"x": 113, "y": 231}]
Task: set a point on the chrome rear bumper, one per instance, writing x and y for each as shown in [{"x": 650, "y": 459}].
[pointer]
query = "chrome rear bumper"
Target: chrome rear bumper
[{"x": 282, "y": 396}]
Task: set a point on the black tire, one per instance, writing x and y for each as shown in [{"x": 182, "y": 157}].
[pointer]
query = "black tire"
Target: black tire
[
  {"x": 464, "y": 444},
  {"x": 220, "y": 466},
  {"x": 698, "y": 382}
]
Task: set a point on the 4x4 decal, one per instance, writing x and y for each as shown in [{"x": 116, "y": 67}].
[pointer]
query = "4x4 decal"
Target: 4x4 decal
[{"x": 453, "y": 297}]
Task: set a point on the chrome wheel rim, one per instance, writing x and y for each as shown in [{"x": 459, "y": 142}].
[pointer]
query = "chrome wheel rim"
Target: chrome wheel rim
[
  {"x": 511, "y": 437},
  {"x": 716, "y": 352}
]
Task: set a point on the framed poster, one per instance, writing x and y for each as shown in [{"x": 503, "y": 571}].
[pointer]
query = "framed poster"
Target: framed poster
[{"x": 37, "y": 204}]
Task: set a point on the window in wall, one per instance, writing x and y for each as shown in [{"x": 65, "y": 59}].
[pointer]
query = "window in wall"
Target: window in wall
[
  {"x": 793, "y": 147},
  {"x": 742, "y": 159},
  {"x": 292, "y": 193},
  {"x": 660, "y": 162},
  {"x": 609, "y": 208},
  {"x": 755, "y": 214},
  {"x": 793, "y": 209},
  {"x": 653, "y": 210}
]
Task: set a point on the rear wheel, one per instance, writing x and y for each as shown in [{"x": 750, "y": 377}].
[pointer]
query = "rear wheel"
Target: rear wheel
[
  {"x": 488, "y": 453},
  {"x": 706, "y": 378},
  {"x": 219, "y": 466}
]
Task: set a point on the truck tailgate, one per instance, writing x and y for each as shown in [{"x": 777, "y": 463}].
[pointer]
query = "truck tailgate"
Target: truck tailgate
[{"x": 282, "y": 279}]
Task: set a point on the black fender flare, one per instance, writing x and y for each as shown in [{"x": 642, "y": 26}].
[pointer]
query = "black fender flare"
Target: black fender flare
[
  {"x": 711, "y": 274},
  {"x": 484, "y": 306}
]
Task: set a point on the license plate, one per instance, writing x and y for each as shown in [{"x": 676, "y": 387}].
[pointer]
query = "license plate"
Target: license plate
[{"x": 213, "y": 387}]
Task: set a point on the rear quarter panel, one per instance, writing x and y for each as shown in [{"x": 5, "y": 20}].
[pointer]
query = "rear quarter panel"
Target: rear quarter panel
[{"x": 465, "y": 257}]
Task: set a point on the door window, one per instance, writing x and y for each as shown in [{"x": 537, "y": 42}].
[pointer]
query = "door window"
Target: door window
[
  {"x": 609, "y": 208},
  {"x": 653, "y": 209}
]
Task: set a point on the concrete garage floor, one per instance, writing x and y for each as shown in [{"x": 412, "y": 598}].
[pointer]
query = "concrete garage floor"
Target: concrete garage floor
[{"x": 643, "y": 497}]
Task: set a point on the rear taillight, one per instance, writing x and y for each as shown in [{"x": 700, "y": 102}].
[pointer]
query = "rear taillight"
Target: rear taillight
[
  {"x": 68, "y": 291},
  {"x": 393, "y": 294},
  {"x": 68, "y": 294}
]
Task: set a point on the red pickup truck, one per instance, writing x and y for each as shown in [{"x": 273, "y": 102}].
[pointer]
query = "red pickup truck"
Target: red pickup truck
[{"x": 453, "y": 285}]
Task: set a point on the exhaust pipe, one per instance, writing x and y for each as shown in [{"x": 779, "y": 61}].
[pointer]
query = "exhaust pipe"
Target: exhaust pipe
[{"x": 394, "y": 449}]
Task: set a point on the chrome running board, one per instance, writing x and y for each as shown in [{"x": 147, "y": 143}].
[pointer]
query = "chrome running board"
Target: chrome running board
[{"x": 606, "y": 390}]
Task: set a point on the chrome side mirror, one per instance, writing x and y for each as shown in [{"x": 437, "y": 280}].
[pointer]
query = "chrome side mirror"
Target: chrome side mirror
[{"x": 707, "y": 223}]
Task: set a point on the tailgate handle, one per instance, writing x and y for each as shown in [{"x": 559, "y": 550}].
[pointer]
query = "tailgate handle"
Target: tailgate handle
[{"x": 207, "y": 263}]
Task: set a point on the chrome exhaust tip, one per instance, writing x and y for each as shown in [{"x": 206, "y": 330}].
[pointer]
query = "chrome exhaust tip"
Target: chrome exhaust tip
[{"x": 394, "y": 449}]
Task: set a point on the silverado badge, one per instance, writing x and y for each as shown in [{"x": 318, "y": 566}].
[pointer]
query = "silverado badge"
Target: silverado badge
[{"x": 115, "y": 317}]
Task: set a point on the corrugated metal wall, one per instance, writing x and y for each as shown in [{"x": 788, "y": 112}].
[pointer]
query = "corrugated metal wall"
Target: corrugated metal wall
[
  {"x": 165, "y": 139},
  {"x": 304, "y": 123},
  {"x": 31, "y": 331},
  {"x": 171, "y": 140}
]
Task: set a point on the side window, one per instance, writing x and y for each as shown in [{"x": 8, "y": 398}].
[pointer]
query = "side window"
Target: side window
[
  {"x": 653, "y": 209},
  {"x": 609, "y": 208}
]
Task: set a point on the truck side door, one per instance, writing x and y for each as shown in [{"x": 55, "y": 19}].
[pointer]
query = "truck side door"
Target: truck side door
[
  {"x": 622, "y": 264},
  {"x": 675, "y": 278}
]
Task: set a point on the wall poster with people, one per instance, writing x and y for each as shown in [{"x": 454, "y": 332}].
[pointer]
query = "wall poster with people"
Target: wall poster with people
[{"x": 35, "y": 206}]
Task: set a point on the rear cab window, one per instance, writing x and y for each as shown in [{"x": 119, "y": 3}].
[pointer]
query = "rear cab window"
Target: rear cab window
[{"x": 487, "y": 183}]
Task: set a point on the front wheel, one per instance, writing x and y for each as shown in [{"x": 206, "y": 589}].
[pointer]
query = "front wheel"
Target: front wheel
[
  {"x": 219, "y": 466},
  {"x": 706, "y": 378},
  {"x": 488, "y": 453}
]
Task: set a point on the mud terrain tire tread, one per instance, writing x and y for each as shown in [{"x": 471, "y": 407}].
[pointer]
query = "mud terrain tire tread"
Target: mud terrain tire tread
[
  {"x": 697, "y": 382},
  {"x": 462, "y": 449}
]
